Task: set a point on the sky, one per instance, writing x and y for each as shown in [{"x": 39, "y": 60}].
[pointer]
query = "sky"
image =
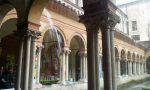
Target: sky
[{"x": 118, "y": 2}]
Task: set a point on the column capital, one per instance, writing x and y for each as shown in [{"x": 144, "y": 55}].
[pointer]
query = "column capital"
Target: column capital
[
  {"x": 83, "y": 53},
  {"x": 66, "y": 50}
]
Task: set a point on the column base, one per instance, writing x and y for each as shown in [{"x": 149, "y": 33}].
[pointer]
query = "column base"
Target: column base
[
  {"x": 38, "y": 85},
  {"x": 62, "y": 82}
]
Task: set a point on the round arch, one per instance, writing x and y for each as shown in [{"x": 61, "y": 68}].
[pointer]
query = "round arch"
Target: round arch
[
  {"x": 5, "y": 8},
  {"x": 77, "y": 48},
  {"x": 148, "y": 64},
  {"x": 123, "y": 54},
  {"x": 46, "y": 29},
  {"x": 138, "y": 58},
  {"x": 37, "y": 7},
  {"x": 116, "y": 52},
  {"x": 81, "y": 38},
  {"x": 129, "y": 55},
  {"x": 133, "y": 57},
  {"x": 51, "y": 54}
]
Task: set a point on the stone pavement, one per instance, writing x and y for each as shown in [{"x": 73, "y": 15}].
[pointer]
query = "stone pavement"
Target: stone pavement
[{"x": 69, "y": 86}]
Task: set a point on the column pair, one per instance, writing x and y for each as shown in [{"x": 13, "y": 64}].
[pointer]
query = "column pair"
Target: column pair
[
  {"x": 105, "y": 20},
  {"x": 26, "y": 59},
  {"x": 64, "y": 65},
  {"x": 118, "y": 67},
  {"x": 83, "y": 64}
]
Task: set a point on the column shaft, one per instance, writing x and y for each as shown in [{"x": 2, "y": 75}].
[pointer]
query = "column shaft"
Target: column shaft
[
  {"x": 39, "y": 66},
  {"x": 32, "y": 61},
  {"x": 91, "y": 58},
  {"x": 19, "y": 67},
  {"x": 96, "y": 59},
  {"x": 119, "y": 68},
  {"x": 26, "y": 63},
  {"x": 106, "y": 59},
  {"x": 63, "y": 69},
  {"x": 67, "y": 66},
  {"x": 114, "y": 86}
]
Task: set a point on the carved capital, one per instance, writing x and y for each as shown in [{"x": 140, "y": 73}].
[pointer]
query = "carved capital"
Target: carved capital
[
  {"x": 109, "y": 20},
  {"x": 102, "y": 19}
]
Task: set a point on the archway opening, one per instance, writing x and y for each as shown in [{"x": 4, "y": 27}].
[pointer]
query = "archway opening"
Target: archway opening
[
  {"x": 75, "y": 63},
  {"x": 148, "y": 65},
  {"x": 123, "y": 63},
  {"x": 50, "y": 58}
]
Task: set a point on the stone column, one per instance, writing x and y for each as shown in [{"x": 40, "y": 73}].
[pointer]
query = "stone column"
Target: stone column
[
  {"x": 26, "y": 62},
  {"x": 81, "y": 65},
  {"x": 19, "y": 66},
  {"x": 119, "y": 73},
  {"x": 100, "y": 17},
  {"x": 32, "y": 63},
  {"x": 86, "y": 71},
  {"x": 113, "y": 61},
  {"x": 67, "y": 64},
  {"x": 39, "y": 64},
  {"x": 85, "y": 61},
  {"x": 91, "y": 29},
  {"x": 144, "y": 67},
  {"x": 34, "y": 35},
  {"x": 126, "y": 67},
  {"x": 130, "y": 68},
  {"x": 63, "y": 67}
]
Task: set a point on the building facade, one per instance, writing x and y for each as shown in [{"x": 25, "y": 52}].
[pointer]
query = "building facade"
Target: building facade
[
  {"x": 57, "y": 51},
  {"x": 138, "y": 18}
]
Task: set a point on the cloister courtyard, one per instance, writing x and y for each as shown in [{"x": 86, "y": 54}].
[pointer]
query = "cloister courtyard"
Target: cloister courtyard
[{"x": 69, "y": 45}]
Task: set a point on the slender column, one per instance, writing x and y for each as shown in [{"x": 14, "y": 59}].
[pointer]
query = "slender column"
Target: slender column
[
  {"x": 84, "y": 58},
  {"x": 119, "y": 73},
  {"x": 19, "y": 66},
  {"x": 39, "y": 64},
  {"x": 130, "y": 68},
  {"x": 114, "y": 85},
  {"x": 96, "y": 60},
  {"x": 145, "y": 67},
  {"x": 81, "y": 66},
  {"x": 86, "y": 71},
  {"x": 63, "y": 67},
  {"x": 139, "y": 69},
  {"x": 135, "y": 68},
  {"x": 126, "y": 67},
  {"x": 32, "y": 61},
  {"x": 27, "y": 62},
  {"x": 67, "y": 54}
]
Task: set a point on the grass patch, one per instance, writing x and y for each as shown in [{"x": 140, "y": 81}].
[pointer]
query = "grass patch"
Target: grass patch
[
  {"x": 49, "y": 82},
  {"x": 147, "y": 86},
  {"x": 133, "y": 82}
]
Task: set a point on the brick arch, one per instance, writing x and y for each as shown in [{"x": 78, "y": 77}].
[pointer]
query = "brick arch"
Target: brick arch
[
  {"x": 46, "y": 28},
  {"x": 133, "y": 56},
  {"x": 129, "y": 55},
  {"x": 12, "y": 14},
  {"x": 116, "y": 52},
  {"x": 140, "y": 58},
  {"x": 137, "y": 57},
  {"x": 80, "y": 36},
  {"x": 123, "y": 54},
  {"x": 36, "y": 7},
  {"x": 5, "y": 10}
]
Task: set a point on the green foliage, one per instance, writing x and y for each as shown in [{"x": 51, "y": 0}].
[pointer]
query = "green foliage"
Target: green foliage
[{"x": 48, "y": 82}]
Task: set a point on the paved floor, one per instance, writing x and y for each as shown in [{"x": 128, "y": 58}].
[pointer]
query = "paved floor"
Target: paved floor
[
  {"x": 135, "y": 87},
  {"x": 71, "y": 86}
]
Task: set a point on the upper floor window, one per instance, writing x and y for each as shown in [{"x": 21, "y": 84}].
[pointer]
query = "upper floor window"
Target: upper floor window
[
  {"x": 134, "y": 25},
  {"x": 136, "y": 37},
  {"x": 127, "y": 26}
]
